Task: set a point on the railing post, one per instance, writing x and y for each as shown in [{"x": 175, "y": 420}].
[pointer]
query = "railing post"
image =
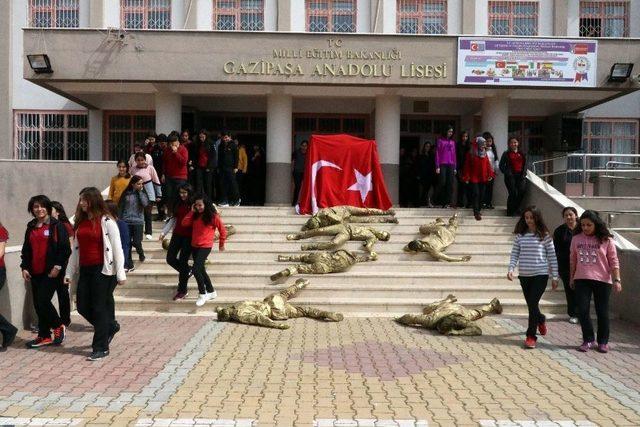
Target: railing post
[{"x": 584, "y": 175}]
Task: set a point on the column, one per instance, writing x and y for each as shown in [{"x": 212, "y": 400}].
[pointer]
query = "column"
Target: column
[
  {"x": 388, "y": 139},
  {"x": 573, "y": 18},
  {"x": 95, "y": 135},
  {"x": 110, "y": 14},
  {"x": 178, "y": 15},
  {"x": 383, "y": 17},
  {"x": 279, "y": 132},
  {"x": 168, "y": 112},
  {"x": 270, "y": 15},
  {"x": 495, "y": 119}
]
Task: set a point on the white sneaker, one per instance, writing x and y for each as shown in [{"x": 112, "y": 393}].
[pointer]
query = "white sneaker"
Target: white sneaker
[
  {"x": 149, "y": 237},
  {"x": 224, "y": 205},
  {"x": 574, "y": 320},
  {"x": 201, "y": 300},
  {"x": 211, "y": 295}
]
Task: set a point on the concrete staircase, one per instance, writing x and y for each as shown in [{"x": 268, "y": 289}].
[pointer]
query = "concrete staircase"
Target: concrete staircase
[{"x": 396, "y": 283}]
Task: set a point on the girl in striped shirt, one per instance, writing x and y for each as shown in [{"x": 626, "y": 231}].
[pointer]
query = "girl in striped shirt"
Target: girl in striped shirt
[{"x": 535, "y": 256}]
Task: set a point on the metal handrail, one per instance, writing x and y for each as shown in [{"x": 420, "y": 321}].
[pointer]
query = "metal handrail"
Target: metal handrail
[{"x": 613, "y": 162}]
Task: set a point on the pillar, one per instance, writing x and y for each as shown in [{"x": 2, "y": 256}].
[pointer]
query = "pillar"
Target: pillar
[
  {"x": 178, "y": 15},
  {"x": 388, "y": 139},
  {"x": 168, "y": 112},
  {"x": 279, "y": 131},
  {"x": 383, "y": 17},
  {"x": 495, "y": 119},
  {"x": 95, "y": 135}
]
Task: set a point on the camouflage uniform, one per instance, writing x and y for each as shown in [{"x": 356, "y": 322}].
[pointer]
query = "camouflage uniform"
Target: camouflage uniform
[
  {"x": 274, "y": 307},
  {"x": 342, "y": 233},
  {"x": 340, "y": 214},
  {"x": 438, "y": 237},
  {"x": 450, "y": 318},
  {"x": 321, "y": 263}
]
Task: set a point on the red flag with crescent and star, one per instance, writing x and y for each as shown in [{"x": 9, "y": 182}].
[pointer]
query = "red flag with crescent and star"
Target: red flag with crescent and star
[{"x": 342, "y": 170}]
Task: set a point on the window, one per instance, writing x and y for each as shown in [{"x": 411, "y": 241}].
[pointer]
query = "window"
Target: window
[
  {"x": 243, "y": 15},
  {"x": 609, "y": 136},
  {"x": 604, "y": 19},
  {"x": 54, "y": 13},
  {"x": 47, "y": 135},
  {"x": 513, "y": 18},
  {"x": 125, "y": 128},
  {"x": 145, "y": 14},
  {"x": 338, "y": 16},
  {"x": 530, "y": 134},
  {"x": 422, "y": 16}
]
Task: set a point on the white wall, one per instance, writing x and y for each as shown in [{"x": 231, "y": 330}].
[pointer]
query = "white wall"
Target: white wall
[
  {"x": 573, "y": 18},
  {"x": 111, "y": 13},
  {"x": 178, "y": 14},
  {"x": 389, "y": 16},
  {"x": 627, "y": 106},
  {"x": 454, "y": 17},
  {"x": 270, "y": 15},
  {"x": 482, "y": 17},
  {"x": 26, "y": 95},
  {"x": 298, "y": 16},
  {"x": 204, "y": 13},
  {"x": 545, "y": 18},
  {"x": 363, "y": 21},
  {"x": 634, "y": 19}
]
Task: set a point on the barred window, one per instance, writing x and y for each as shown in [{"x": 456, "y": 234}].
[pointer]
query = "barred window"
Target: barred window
[
  {"x": 124, "y": 129},
  {"x": 51, "y": 135},
  {"x": 422, "y": 16},
  {"x": 242, "y": 15},
  {"x": 54, "y": 13},
  {"x": 145, "y": 14},
  {"x": 513, "y": 18},
  {"x": 604, "y": 19},
  {"x": 337, "y": 16}
]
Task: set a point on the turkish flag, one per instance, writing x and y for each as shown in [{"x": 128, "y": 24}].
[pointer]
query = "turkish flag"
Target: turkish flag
[{"x": 342, "y": 170}]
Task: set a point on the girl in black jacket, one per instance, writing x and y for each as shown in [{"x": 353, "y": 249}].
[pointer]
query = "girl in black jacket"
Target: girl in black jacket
[{"x": 45, "y": 253}]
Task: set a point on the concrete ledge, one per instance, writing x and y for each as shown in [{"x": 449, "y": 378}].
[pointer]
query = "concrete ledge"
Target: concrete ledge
[{"x": 16, "y": 303}]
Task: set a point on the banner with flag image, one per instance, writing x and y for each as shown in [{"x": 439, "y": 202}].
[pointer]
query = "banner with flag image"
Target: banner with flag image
[{"x": 342, "y": 170}]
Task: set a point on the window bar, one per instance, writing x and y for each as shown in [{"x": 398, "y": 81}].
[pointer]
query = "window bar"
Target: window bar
[
  {"x": 604, "y": 18},
  {"x": 421, "y": 16},
  {"x": 145, "y": 14},
  {"x": 331, "y": 16},
  {"x": 518, "y": 18},
  {"x": 54, "y": 13},
  {"x": 238, "y": 15}
]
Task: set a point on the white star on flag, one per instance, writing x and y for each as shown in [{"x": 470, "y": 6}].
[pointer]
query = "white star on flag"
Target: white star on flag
[{"x": 362, "y": 184}]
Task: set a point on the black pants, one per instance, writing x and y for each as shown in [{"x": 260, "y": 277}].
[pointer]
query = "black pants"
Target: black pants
[
  {"x": 96, "y": 304},
  {"x": 148, "y": 229},
  {"x": 135, "y": 234},
  {"x": 64, "y": 301},
  {"x": 228, "y": 186},
  {"x": 570, "y": 294},
  {"x": 178, "y": 257},
  {"x": 487, "y": 199},
  {"x": 172, "y": 185},
  {"x": 241, "y": 184},
  {"x": 445, "y": 184},
  {"x": 160, "y": 204},
  {"x": 515, "y": 186},
  {"x": 199, "y": 272},
  {"x": 533, "y": 288},
  {"x": 477, "y": 195},
  {"x": 427, "y": 182},
  {"x": 43, "y": 288},
  {"x": 297, "y": 185},
  {"x": 6, "y": 328},
  {"x": 204, "y": 182},
  {"x": 601, "y": 292},
  {"x": 464, "y": 194}
]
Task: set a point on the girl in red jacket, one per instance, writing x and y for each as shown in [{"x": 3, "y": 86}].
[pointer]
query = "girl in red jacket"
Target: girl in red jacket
[
  {"x": 477, "y": 173},
  {"x": 204, "y": 221}
]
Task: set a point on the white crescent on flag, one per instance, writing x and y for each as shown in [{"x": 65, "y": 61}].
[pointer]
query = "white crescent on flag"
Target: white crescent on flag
[{"x": 314, "y": 171}]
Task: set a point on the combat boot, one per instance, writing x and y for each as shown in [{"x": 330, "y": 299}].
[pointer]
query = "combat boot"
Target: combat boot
[{"x": 496, "y": 306}]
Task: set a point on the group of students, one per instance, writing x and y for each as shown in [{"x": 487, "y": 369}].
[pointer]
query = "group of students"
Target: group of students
[
  {"x": 473, "y": 163},
  {"x": 583, "y": 254}
]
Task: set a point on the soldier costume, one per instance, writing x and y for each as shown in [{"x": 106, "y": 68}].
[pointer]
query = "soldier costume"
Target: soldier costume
[
  {"x": 321, "y": 263},
  {"x": 438, "y": 237},
  {"x": 274, "y": 307},
  {"x": 450, "y": 318},
  {"x": 342, "y": 233},
  {"x": 341, "y": 214}
]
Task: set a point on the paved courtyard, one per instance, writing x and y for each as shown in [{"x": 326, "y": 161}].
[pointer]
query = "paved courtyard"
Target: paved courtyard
[{"x": 185, "y": 370}]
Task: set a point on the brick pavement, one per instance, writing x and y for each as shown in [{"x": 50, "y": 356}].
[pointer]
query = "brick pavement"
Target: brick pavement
[{"x": 185, "y": 370}]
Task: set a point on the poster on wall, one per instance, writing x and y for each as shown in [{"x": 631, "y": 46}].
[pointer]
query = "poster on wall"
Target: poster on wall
[{"x": 527, "y": 62}]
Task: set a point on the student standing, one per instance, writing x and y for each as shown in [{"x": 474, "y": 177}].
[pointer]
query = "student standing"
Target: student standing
[
  {"x": 227, "y": 167},
  {"x": 462, "y": 147},
  {"x": 119, "y": 182},
  {"x": 131, "y": 210},
  {"x": 206, "y": 162},
  {"x": 151, "y": 184},
  {"x": 492, "y": 154},
  {"x": 45, "y": 253},
  {"x": 6, "y": 328},
  {"x": 513, "y": 165},
  {"x": 562, "y": 242},
  {"x": 97, "y": 255},
  {"x": 64, "y": 298},
  {"x": 477, "y": 174},
  {"x": 595, "y": 269},
  {"x": 535, "y": 256},
  {"x": 446, "y": 166},
  {"x": 174, "y": 163},
  {"x": 204, "y": 221},
  {"x": 179, "y": 249}
]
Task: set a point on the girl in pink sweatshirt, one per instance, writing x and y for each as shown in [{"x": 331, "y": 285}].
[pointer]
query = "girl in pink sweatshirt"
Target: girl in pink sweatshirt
[{"x": 594, "y": 270}]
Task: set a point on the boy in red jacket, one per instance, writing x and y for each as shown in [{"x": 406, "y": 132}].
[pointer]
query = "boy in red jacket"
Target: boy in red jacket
[
  {"x": 477, "y": 172},
  {"x": 174, "y": 162}
]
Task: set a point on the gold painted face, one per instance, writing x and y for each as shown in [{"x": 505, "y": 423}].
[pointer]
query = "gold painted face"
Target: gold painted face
[
  {"x": 413, "y": 246},
  {"x": 223, "y": 314}
]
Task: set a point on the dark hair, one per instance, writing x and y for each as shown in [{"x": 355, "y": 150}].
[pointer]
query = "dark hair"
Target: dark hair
[
  {"x": 224, "y": 132},
  {"x": 138, "y": 145},
  {"x": 569, "y": 208},
  {"x": 601, "y": 231},
  {"x": 134, "y": 179},
  {"x": 97, "y": 206},
  {"x": 209, "y": 210},
  {"x": 161, "y": 138},
  {"x": 62, "y": 215},
  {"x": 42, "y": 200},
  {"x": 113, "y": 208},
  {"x": 172, "y": 138},
  {"x": 140, "y": 155},
  {"x": 541, "y": 229},
  {"x": 486, "y": 136},
  {"x": 189, "y": 189}
]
